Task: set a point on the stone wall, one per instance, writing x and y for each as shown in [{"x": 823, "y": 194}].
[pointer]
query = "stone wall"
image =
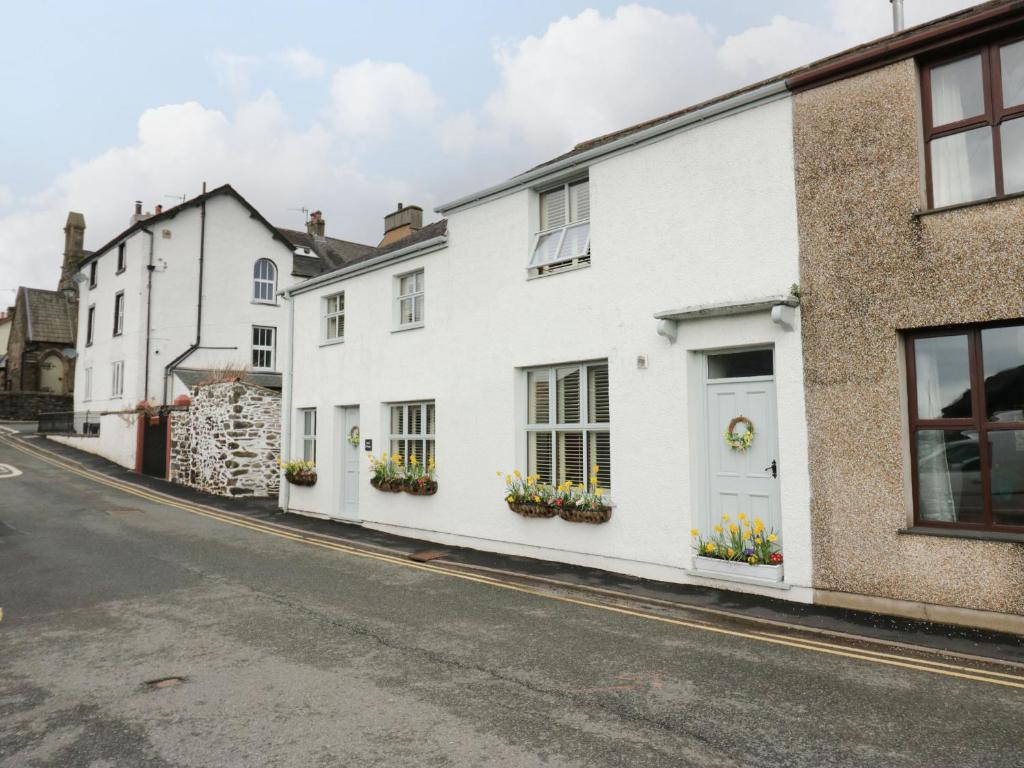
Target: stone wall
[
  {"x": 26, "y": 406},
  {"x": 228, "y": 440}
]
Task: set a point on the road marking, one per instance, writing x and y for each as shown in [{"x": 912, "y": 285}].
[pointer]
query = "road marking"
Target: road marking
[
  {"x": 6, "y": 471},
  {"x": 876, "y": 657}
]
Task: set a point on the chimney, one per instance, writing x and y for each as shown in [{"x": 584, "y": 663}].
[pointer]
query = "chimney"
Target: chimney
[
  {"x": 138, "y": 215},
  {"x": 158, "y": 210},
  {"x": 897, "y": 16},
  {"x": 74, "y": 241},
  {"x": 401, "y": 223},
  {"x": 316, "y": 224}
]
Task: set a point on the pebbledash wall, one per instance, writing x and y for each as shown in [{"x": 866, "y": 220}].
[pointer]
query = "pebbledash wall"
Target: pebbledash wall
[
  {"x": 706, "y": 214},
  {"x": 871, "y": 268},
  {"x": 228, "y": 441}
]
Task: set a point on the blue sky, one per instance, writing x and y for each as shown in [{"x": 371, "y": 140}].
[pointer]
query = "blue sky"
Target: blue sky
[{"x": 350, "y": 107}]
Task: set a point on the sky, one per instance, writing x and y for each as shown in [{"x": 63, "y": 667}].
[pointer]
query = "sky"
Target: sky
[{"x": 351, "y": 107}]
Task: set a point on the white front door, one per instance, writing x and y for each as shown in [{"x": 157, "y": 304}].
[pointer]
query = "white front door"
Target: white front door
[
  {"x": 349, "y": 469},
  {"x": 742, "y": 481}
]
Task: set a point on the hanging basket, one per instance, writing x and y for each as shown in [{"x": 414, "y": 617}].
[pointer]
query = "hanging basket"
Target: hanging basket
[
  {"x": 421, "y": 487},
  {"x": 305, "y": 477},
  {"x": 574, "y": 514},
  {"x": 388, "y": 486},
  {"x": 531, "y": 509}
]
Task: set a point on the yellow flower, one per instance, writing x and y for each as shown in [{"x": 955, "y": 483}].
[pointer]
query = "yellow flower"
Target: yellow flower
[
  {"x": 510, "y": 498},
  {"x": 730, "y": 552},
  {"x": 734, "y": 528},
  {"x": 726, "y": 518},
  {"x": 516, "y": 473},
  {"x": 413, "y": 460},
  {"x": 396, "y": 458},
  {"x": 758, "y": 540},
  {"x": 593, "y": 479},
  {"x": 499, "y": 473},
  {"x": 746, "y": 535},
  {"x": 596, "y": 469},
  {"x": 772, "y": 537},
  {"x": 718, "y": 529},
  {"x": 694, "y": 532},
  {"x": 710, "y": 546},
  {"x": 599, "y": 492},
  {"x": 752, "y": 560},
  {"x": 508, "y": 479},
  {"x": 741, "y": 516},
  {"x": 536, "y": 497}
]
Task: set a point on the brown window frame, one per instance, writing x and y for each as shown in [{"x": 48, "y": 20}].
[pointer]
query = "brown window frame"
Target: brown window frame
[
  {"x": 978, "y": 422},
  {"x": 995, "y": 113}
]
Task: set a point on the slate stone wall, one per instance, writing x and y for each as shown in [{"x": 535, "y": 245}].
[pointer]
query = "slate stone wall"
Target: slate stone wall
[
  {"x": 26, "y": 406},
  {"x": 227, "y": 442}
]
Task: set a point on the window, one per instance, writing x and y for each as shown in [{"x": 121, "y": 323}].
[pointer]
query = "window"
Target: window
[
  {"x": 974, "y": 125},
  {"x": 409, "y": 302},
  {"x": 263, "y": 347},
  {"x": 92, "y": 274},
  {"x": 966, "y": 398},
  {"x": 567, "y": 424},
  {"x": 117, "y": 379},
  {"x": 564, "y": 236},
  {"x": 119, "y": 313},
  {"x": 90, "y": 325},
  {"x": 412, "y": 431},
  {"x": 120, "y": 258},
  {"x": 307, "y": 417},
  {"x": 264, "y": 284},
  {"x": 334, "y": 317},
  {"x": 87, "y": 394}
]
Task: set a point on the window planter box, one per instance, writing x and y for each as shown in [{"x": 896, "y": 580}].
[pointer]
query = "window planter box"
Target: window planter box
[
  {"x": 769, "y": 574},
  {"x": 306, "y": 477},
  {"x": 422, "y": 487},
  {"x": 388, "y": 486},
  {"x": 529, "y": 509},
  {"x": 573, "y": 514}
]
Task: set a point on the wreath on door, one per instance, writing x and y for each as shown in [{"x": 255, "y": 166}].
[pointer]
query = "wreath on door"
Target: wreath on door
[
  {"x": 739, "y": 441},
  {"x": 353, "y": 437}
]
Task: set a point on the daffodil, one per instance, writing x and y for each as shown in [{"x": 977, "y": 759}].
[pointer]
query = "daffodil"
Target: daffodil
[
  {"x": 741, "y": 516},
  {"x": 596, "y": 469},
  {"x": 734, "y": 528},
  {"x": 758, "y": 540},
  {"x": 694, "y": 532},
  {"x": 413, "y": 460},
  {"x": 726, "y": 518},
  {"x": 710, "y": 546},
  {"x": 772, "y": 537},
  {"x": 599, "y": 492},
  {"x": 718, "y": 529},
  {"x": 516, "y": 473},
  {"x": 730, "y": 552}
]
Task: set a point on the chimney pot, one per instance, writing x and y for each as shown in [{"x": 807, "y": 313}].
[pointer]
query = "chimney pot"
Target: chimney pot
[
  {"x": 316, "y": 224},
  {"x": 138, "y": 207},
  {"x": 399, "y": 206},
  {"x": 159, "y": 209}
]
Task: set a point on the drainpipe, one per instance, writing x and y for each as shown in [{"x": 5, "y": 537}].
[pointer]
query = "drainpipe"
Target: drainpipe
[
  {"x": 169, "y": 369},
  {"x": 286, "y": 411},
  {"x": 149, "y": 310},
  {"x": 897, "y": 15}
]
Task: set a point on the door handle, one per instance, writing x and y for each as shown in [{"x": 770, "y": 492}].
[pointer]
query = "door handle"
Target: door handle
[{"x": 773, "y": 468}]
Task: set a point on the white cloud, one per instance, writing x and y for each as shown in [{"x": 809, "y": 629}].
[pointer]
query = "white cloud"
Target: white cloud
[
  {"x": 304, "y": 64},
  {"x": 234, "y": 71},
  {"x": 372, "y": 97}
]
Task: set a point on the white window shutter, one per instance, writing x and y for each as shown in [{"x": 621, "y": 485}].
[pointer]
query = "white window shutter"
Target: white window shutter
[
  {"x": 552, "y": 209},
  {"x": 579, "y": 202}
]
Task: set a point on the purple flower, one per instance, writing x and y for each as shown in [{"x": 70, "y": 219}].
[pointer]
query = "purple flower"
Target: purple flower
[{"x": 748, "y": 551}]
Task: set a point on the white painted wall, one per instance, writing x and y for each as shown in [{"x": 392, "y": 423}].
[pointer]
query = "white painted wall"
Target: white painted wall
[
  {"x": 116, "y": 442},
  {"x": 703, "y": 216},
  {"x": 234, "y": 242}
]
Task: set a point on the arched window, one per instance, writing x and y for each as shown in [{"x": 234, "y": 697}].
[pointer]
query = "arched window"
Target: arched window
[{"x": 264, "y": 284}]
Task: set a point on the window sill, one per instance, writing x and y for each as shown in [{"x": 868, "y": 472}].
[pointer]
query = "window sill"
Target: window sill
[
  {"x": 118, "y": 333},
  {"x": 332, "y": 342},
  {"x": 264, "y": 303},
  {"x": 969, "y": 204},
  {"x": 569, "y": 268},
  {"x": 408, "y": 327},
  {"x": 962, "y": 533},
  {"x": 120, "y": 271}
]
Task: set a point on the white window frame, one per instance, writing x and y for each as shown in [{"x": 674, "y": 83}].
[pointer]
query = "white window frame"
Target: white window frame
[
  {"x": 571, "y": 262},
  {"x": 90, "y": 325},
  {"x": 400, "y": 297},
  {"x": 93, "y": 274},
  {"x": 398, "y": 441},
  {"x": 307, "y": 434},
  {"x": 552, "y": 427},
  {"x": 122, "y": 258},
  {"x": 87, "y": 396},
  {"x": 264, "y": 348},
  {"x": 338, "y": 314},
  {"x": 119, "y": 313},
  {"x": 117, "y": 379},
  {"x": 262, "y": 281}
]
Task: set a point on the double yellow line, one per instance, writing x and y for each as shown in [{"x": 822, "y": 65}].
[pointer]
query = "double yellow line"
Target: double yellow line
[{"x": 774, "y": 638}]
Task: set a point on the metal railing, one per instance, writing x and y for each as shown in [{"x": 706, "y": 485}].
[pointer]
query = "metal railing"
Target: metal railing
[{"x": 81, "y": 423}]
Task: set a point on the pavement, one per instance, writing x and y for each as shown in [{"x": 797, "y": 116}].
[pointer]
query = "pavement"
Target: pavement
[{"x": 297, "y": 643}]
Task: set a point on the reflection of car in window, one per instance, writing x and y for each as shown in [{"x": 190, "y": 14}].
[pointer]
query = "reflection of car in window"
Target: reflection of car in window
[{"x": 960, "y": 461}]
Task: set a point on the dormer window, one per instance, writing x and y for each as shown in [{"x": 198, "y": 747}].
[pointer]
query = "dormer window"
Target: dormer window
[
  {"x": 264, "y": 286},
  {"x": 564, "y": 236}
]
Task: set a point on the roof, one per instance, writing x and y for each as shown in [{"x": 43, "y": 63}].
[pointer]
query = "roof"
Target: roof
[
  {"x": 436, "y": 229},
  {"x": 194, "y": 377},
  {"x": 170, "y": 213},
  {"x": 331, "y": 253},
  {"x": 49, "y": 316},
  {"x": 907, "y": 43}
]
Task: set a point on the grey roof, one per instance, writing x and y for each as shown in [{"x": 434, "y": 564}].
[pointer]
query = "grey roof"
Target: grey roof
[
  {"x": 50, "y": 316},
  {"x": 193, "y": 377},
  {"x": 331, "y": 253}
]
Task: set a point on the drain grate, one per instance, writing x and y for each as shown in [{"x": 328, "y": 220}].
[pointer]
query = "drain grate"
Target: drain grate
[{"x": 165, "y": 682}]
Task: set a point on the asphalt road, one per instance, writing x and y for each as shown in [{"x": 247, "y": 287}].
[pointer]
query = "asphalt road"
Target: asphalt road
[{"x": 295, "y": 655}]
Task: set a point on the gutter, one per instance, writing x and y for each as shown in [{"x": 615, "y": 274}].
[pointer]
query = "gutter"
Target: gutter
[
  {"x": 733, "y": 104},
  {"x": 149, "y": 310},
  {"x": 377, "y": 262},
  {"x": 284, "y": 494}
]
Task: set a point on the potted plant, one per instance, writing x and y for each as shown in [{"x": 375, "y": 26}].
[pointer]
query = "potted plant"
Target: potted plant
[
  {"x": 299, "y": 472},
  {"x": 527, "y": 496},
  {"x": 387, "y": 472},
  {"x": 419, "y": 479},
  {"x": 578, "y": 505},
  {"x": 739, "y": 548}
]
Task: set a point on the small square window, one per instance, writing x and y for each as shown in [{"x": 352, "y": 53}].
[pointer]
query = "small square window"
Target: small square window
[
  {"x": 334, "y": 317},
  {"x": 263, "y": 347},
  {"x": 409, "y": 300},
  {"x": 564, "y": 236}
]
